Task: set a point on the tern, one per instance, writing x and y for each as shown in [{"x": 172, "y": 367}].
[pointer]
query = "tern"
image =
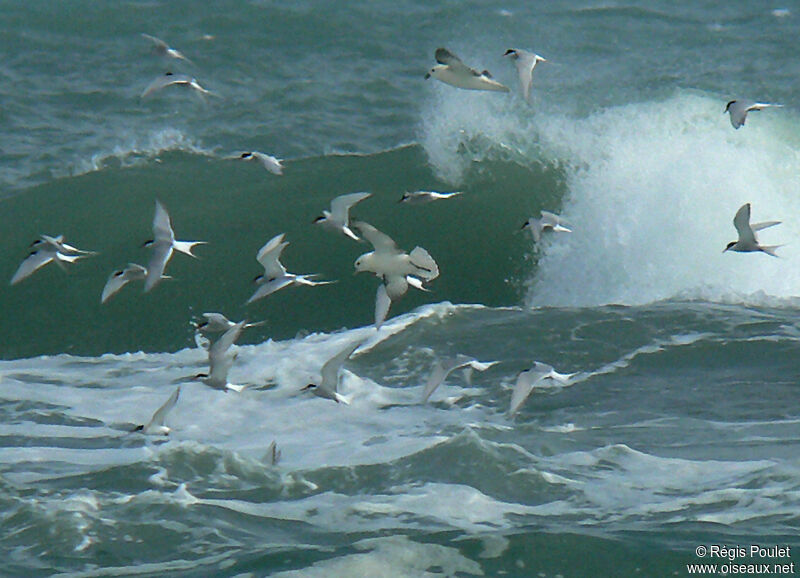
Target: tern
[
  {"x": 118, "y": 279},
  {"x": 527, "y": 379},
  {"x": 162, "y": 49},
  {"x": 747, "y": 241},
  {"x": 170, "y": 79},
  {"x": 525, "y": 62},
  {"x": 44, "y": 250},
  {"x": 444, "y": 367},
  {"x": 163, "y": 243},
  {"x": 451, "y": 70},
  {"x": 738, "y": 110},
  {"x": 338, "y": 218},
  {"x": 272, "y": 164},
  {"x": 547, "y": 221},
  {"x": 275, "y": 276},
  {"x": 217, "y": 323},
  {"x": 395, "y": 267},
  {"x": 329, "y": 385},
  {"x": 219, "y": 362},
  {"x": 157, "y": 425},
  {"x": 422, "y": 197}
]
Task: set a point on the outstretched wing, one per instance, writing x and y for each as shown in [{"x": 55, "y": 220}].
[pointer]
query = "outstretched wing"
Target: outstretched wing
[{"x": 382, "y": 242}]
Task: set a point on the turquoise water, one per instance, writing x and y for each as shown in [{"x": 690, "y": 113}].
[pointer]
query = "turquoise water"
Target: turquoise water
[{"x": 680, "y": 428}]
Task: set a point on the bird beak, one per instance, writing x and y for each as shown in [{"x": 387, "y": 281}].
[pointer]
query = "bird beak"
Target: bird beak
[{"x": 427, "y": 75}]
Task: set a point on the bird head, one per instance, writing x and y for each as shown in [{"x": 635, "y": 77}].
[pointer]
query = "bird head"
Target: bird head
[
  {"x": 731, "y": 244},
  {"x": 728, "y": 106}
]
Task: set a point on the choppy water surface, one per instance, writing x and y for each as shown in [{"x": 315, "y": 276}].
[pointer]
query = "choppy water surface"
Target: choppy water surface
[{"x": 679, "y": 428}]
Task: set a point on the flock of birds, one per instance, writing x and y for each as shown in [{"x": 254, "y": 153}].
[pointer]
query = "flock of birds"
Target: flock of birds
[{"x": 395, "y": 268}]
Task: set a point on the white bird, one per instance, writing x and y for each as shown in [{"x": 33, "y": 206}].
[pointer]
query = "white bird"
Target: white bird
[
  {"x": 118, "y": 279},
  {"x": 217, "y": 323},
  {"x": 45, "y": 250},
  {"x": 219, "y": 362},
  {"x": 451, "y": 70},
  {"x": 170, "y": 79},
  {"x": 163, "y": 49},
  {"x": 527, "y": 379},
  {"x": 422, "y": 197},
  {"x": 547, "y": 221},
  {"x": 338, "y": 218},
  {"x": 525, "y": 62},
  {"x": 275, "y": 276},
  {"x": 157, "y": 425},
  {"x": 444, "y": 367},
  {"x": 397, "y": 268},
  {"x": 272, "y": 164},
  {"x": 747, "y": 241},
  {"x": 738, "y": 109},
  {"x": 163, "y": 243},
  {"x": 329, "y": 385}
]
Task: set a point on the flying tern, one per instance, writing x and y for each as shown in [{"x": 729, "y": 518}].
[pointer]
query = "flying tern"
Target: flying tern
[
  {"x": 220, "y": 362},
  {"x": 338, "y": 218},
  {"x": 272, "y": 164},
  {"x": 738, "y": 109},
  {"x": 217, "y": 323},
  {"x": 157, "y": 425},
  {"x": 163, "y": 49},
  {"x": 43, "y": 251},
  {"x": 548, "y": 220},
  {"x": 395, "y": 267},
  {"x": 163, "y": 243},
  {"x": 529, "y": 378},
  {"x": 747, "y": 241},
  {"x": 275, "y": 276},
  {"x": 444, "y": 367},
  {"x": 422, "y": 197},
  {"x": 451, "y": 70},
  {"x": 525, "y": 62},
  {"x": 170, "y": 79},
  {"x": 118, "y": 279},
  {"x": 329, "y": 385}
]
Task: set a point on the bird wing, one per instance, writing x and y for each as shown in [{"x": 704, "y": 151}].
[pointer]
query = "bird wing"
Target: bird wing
[
  {"x": 382, "y": 304},
  {"x": 764, "y": 225},
  {"x": 330, "y": 370},
  {"x": 162, "y": 228},
  {"x": 522, "y": 390},
  {"x": 382, "y": 242},
  {"x": 161, "y": 413},
  {"x": 159, "y": 44},
  {"x": 269, "y": 256},
  {"x": 340, "y": 206},
  {"x": 742, "y": 223},
  {"x": 221, "y": 345},
  {"x": 157, "y": 263},
  {"x": 270, "y": 287},
  {"x": 444, "y": 56},
  {"x": 427, "y": 267},
  {"x": 33, "y": 262}
]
